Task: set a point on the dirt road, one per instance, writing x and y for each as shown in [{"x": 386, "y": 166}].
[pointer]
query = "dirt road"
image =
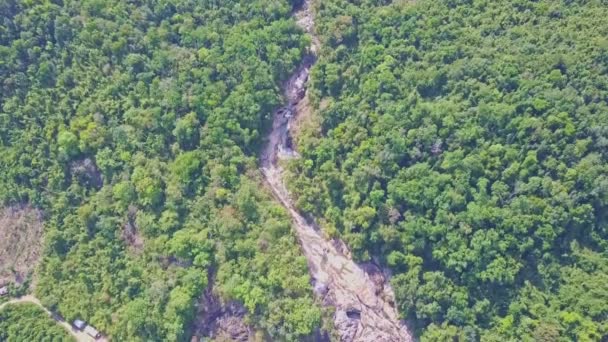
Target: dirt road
[
  {"x": 78, "y": 335},
  {"x": 361, "y": 295}
]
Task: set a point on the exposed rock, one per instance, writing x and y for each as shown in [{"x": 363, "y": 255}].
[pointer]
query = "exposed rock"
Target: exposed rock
[
  {"x": 363, "y": 301},
  {"x": 346, "y": 326},
  {"x": 231, "y": 328},
  {"x": 321, "y": 289},
  {"x": 375, "y": 275},
  {"x": 86, "y": 172},
  {"x": 220, "y": 321}
]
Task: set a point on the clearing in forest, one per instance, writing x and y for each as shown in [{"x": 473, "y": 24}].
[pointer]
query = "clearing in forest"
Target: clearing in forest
[{"x": 20, "y": 242}]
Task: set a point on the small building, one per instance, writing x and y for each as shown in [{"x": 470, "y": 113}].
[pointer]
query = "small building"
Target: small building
[
  {"x": 79, "y": 324},
  {"x": 89, "y": 330},
  {"x": 3, "y": 290}
]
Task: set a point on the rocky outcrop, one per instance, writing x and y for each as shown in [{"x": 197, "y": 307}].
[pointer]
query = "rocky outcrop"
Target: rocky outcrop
[{"x": 220, "y": 321}]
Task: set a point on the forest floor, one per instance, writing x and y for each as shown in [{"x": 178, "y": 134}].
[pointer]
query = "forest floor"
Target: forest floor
[
  {"x": 360, "y": 294},
  {"x": 20, "y": 242}
]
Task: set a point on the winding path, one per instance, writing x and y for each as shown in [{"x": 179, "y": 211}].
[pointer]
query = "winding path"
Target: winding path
[
  {"x": 78, "y": 335},
  {"x": 363, "y": 300}
]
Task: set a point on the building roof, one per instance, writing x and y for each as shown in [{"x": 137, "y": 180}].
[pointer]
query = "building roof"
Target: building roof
[{"x": 3, "y": 290}]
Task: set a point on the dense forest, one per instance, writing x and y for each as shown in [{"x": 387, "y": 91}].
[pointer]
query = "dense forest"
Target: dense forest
[
  {"x": 27, "y": 322},
  {"x": 463, "y": 144},
  {"x": 134, "y": 125}
]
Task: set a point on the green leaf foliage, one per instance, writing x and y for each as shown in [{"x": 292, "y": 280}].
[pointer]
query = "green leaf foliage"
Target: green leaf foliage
[
  {"x": 135, "y": 126},
  {"x": 28, "y": 322},
  {"x": 464, "y": 144}
]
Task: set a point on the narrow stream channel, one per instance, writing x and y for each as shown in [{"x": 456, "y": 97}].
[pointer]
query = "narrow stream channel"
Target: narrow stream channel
[{"x": 363, "y": 300}]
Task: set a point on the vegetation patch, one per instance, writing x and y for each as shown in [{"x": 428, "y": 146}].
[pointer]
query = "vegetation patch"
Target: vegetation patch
[
  {"x": 464, "y": 143},
  {"x": 28, "y": 322},
  {"x": 134, "y": 126}
]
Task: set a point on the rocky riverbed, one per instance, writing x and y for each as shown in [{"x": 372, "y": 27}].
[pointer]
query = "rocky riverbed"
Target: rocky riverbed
[{"x": 363, "y": 300}]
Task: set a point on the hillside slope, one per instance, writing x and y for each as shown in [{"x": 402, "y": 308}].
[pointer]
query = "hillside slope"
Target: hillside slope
[
  {"x": 134, "y": 127},
  {"x": 463, "y": 144}
]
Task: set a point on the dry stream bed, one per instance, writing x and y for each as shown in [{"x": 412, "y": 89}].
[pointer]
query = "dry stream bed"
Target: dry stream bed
[{"x": 363, "y": 300}]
